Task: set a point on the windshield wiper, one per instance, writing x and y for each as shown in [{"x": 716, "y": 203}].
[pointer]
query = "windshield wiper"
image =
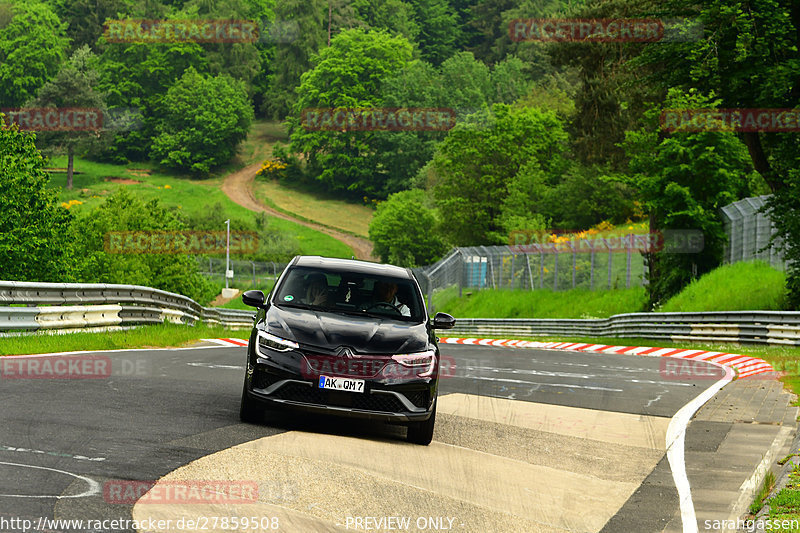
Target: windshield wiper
[
  {"x": 302, "y": 306},
  {"x": 358, "y": 313}
]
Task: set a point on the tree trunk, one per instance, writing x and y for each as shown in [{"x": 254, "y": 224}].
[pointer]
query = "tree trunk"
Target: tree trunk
[{"x": 70, "y": 157}]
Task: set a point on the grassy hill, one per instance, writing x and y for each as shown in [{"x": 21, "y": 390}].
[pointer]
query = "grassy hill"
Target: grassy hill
[
  {"x": 736, "y": 287},
  {"x": 302, "y": 201},
  {"x": 98, "y": 180}
]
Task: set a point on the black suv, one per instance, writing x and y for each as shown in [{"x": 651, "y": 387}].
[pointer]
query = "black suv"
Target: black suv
[{"x": 347, "y": 338}]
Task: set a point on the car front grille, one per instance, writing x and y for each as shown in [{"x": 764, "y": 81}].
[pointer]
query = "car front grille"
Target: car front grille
[
  {"x": 418, "y": 398},
  {"x": 262, "y": 380},
  {"x": 370, "y": 402}
]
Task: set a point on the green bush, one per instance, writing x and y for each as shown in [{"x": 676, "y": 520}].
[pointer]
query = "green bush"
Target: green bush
[
  {"x": 34, "y": 229},
  {"x": 125, "y": 212},
  {"x": 203, "y": 121},
  {"x": 403, "y": 230}
]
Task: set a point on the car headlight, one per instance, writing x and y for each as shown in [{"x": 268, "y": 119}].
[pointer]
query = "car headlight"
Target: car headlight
[
  {"x": 421, "y": 363},
  {"x": 267, "y": 341}
]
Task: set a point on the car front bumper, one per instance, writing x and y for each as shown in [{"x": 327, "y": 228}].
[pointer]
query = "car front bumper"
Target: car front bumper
[{"x": 408, "y": 401}]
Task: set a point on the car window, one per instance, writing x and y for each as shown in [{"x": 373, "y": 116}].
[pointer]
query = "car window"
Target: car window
[{"x": 384, "y": 296}]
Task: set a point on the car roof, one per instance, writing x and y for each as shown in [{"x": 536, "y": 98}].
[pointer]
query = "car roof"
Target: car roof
[{"x": 351, "y": 265}]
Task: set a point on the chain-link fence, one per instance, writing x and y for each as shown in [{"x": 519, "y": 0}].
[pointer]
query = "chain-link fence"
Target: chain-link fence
[
  {"x": 249, "y": 274},
  {"x": 595, "y": 264},
  {"x": 749, "y": 232}
]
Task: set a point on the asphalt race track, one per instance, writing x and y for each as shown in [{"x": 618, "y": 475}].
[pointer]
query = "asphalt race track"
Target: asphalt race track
[{"x": 526, "y": 440}]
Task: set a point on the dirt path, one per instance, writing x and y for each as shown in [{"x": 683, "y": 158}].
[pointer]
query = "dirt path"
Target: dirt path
[{"x": 239, "y": 188}]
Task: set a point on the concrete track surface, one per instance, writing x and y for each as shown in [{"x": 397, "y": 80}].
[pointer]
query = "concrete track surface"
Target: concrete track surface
[{"x": 526, "y": 441}]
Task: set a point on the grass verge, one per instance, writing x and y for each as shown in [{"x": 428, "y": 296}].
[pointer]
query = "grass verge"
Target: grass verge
[
  {"x": 507, "y": 303},
  {"x": 763, "y": 492},
  {"x": 313, "y": 206},
  {"x": 784, "y": 507},
  {"x": 731, "y": 288},
  {"x": 156, "y": 336}
]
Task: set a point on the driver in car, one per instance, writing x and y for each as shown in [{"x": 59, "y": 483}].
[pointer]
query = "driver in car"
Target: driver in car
[{"x": 387, "y": 292}]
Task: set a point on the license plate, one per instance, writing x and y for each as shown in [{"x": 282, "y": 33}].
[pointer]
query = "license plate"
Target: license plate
[{"x": 346, "y": 384}]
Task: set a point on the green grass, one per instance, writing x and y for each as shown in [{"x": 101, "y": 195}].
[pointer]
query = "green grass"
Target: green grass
[
  {"x": 786, "y": 504},
  {"x": 262, "y": 284},
  {"x": 736, "y": 287},
  {"x": 263, "y": 136},
  {"x": 157, "y": 336},
  {"x": 194, "y": 197},
  {"x": 302, "y": 201},
  {"x": 506, "y": 303},
  {"x": 309, "y": 204},
  {"x": 763, "y": 492},
  {"x": 740, "y": 286}
]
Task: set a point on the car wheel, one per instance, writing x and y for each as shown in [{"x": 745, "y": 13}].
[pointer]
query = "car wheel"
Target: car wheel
[
  {"x": 248, "y": 409},
  {"x": 422, "y": 432}
]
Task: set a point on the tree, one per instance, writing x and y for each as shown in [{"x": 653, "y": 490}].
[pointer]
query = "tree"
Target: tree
[
  {"x": 73, "y": 87},
  {"x": 748, "y": 54},
  {"x": 32, "y": 47},
  {"x": 136, "y": 76},
  {"x": 611, "y": 96},
  {"x": 683, "y": 179},
  {"x": 476, "y": 163},
  {"x": 123, "y": 212},
  {"x": 509, "y": 81},
  {"x": 587, "y": 195},
  {"x": 34, "y": 229},
  {"x": 468, "y": 82},
  {"x": 203, "y": 119},
  {"x": 85, "y": 19},
  {"x": 240, "y": 60},
  {"x": 349, "y": 74},
  {"x": 396, "y": 17},
  {"x": 404, "y": 230},
  {"x": 439, "y": 31},
  {"x": 293, "y": 57}
]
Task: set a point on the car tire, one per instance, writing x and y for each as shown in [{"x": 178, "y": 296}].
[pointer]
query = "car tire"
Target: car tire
[
  {"x": 422, "y": 432},
  {"x": 248, "y": 410}
]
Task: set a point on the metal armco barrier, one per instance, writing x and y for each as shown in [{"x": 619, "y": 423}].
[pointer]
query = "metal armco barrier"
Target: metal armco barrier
[
  {"x": 756, "y": 327},
  {"x": 77, "y": 306},
  {"x": 74, "y": 306}
]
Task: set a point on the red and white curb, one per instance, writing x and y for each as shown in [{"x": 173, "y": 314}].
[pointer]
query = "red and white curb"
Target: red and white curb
[
  {"x": 227, "y": 342},
  {"x": 744, "y": 365}
]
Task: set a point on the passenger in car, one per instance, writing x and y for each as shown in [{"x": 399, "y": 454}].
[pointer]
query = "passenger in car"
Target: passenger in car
[
  {"x": 317, "y": 289},
  {"x": 387, "y": 292}
]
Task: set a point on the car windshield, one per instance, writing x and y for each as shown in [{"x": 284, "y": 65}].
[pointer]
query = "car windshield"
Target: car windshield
[{"x": 345, "y": 292}]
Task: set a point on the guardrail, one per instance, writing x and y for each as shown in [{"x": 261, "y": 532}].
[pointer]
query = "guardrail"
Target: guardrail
[
  {"x": 757, "y": 327},
  {"x": 74, "y": 306}
]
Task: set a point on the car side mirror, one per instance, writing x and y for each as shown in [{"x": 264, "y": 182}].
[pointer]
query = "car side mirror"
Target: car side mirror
[
  {"x": 253, "y": 298},
  {"x": 443, "y": 321}
]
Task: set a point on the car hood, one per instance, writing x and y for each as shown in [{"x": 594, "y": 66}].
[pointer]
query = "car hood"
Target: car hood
[{"x": 329, "y": 331}]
